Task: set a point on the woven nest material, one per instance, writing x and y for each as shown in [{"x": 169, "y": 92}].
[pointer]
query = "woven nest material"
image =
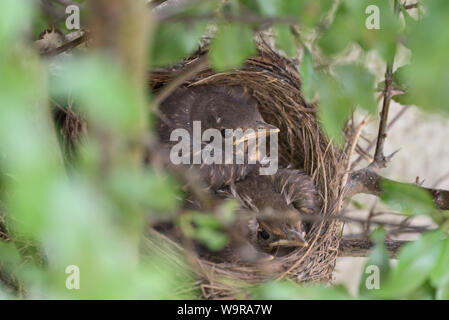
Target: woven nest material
[{"x": 274, "y": 82}]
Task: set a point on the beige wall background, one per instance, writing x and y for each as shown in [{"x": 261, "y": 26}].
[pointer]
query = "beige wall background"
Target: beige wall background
[{"x": 424, "y": 143}]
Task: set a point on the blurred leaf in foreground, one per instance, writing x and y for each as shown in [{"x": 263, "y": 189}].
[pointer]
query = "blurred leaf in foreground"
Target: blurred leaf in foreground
[
  {"x": 407, "y": 198},
  {"x": 175, "y": 41},
  {"x": 416, "y": 262},
  {"x": 379, "y": 259},
  {"x": 428, "y": 73},
  {"x": 232, "y": 45},
  {"x": 109, "y": 101},
  {"x": 205, "y": 228},
  {"x": 151, "y": 190},
  {"x": 339, "y": 95},
  {"x": 349, "y": 26},
  {"x": 439, "y": 276},
  {"x": 285, "y": 40},
  {"x": 308, "y": 76}
]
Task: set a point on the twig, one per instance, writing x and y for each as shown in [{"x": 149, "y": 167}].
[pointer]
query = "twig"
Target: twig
[
  {"x": 411, "y": 6},
  {"x": 186, "y": 74},
  {"x": 369, "y": 182},
  {"x": 380, "y": 161},
  {"x": 67, "y": 46},
  {"x": 373, "y": 142},
  {"x": 362, "y": 248},
  {"x": 351, "y": 147}
]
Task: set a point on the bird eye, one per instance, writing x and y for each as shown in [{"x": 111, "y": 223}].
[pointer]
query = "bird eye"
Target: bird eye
[{"x": 264, "y": 234}]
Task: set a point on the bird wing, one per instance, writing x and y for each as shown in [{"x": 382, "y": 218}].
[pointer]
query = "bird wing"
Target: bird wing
[{"x": 298, "y": 189}]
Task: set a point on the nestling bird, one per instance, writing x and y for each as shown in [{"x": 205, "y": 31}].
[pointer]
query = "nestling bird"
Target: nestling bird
[
  {"x": 223, "y": 108},
  {"x": 279, "y": 202}
]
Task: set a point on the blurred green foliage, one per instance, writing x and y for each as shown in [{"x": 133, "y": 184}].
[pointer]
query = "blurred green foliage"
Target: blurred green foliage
[
  {"x": 407, "y": 198},
  {"x": 232, "y": 45},
  {"x": 95, "y": 216}
]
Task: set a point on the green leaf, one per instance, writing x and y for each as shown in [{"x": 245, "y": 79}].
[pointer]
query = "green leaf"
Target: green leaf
[
  {"x": 205, "y": 228},
  {"x": 268, "y": 8},
  {"x": 349, "y": 26},
  {"x": 109, "y": 101},
  {"x": 416, "y": 262},
  {"x": 335, "y": 107},
  {"x": 428, "y": 73},
  {"x": 15, "y": 18},
  {"x": 309, "y": 13},
  {"x": 358, "y": 84},
  {"x": 379, "y": 258},
  {"x": 440, "y": 272},
  {"x": 9, "y": 253},
  {"x": 308, "y": 76},
  {"x": 213, "y": 239},
  {"x": 151, "y": 190},
  {"x": 232, "y": 45},
  {"x": 442, "y": 292},
  {"x": 226, "y": 211},
  {"x": 352, "y": 86},
  {"x": 175, "y": 41},
  {"x": 285, "y": 40},
  {"x": 407, "y": 198}
]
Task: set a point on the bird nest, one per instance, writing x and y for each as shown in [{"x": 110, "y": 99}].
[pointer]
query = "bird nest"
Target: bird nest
[{"x": 276, "y": 85}]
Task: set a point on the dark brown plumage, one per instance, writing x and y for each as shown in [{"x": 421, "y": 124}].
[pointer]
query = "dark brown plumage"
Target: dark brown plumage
[
  {"x": 216, "y": 107},
  {"x": 279, "y": 201}
]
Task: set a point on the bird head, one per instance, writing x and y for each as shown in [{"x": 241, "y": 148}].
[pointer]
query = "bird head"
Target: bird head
[
  {"x": 228, "y": 109},
  {"x": 276, "y": 230}
]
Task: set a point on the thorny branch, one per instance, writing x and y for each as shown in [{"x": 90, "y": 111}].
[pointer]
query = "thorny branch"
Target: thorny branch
[
  {"x": 369, "y": 182},
  {"x": 364, "y": 152}
]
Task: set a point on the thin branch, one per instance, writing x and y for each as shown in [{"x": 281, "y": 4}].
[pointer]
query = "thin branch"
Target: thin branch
[
  {"x": 349, "y": 151},
  {"x": 67, "y": 46},
  {"x": 369, "y": 182},
  {"x": 373, "y": 142},
  {"x": 380, "y": 160},
  {"x": 362, "y": 248},
  {"x": 411, "y": 6}
]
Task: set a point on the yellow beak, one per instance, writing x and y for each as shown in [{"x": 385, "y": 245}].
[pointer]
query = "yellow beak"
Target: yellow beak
[
  {"x": 289, "y": 243},
  {"x": 253, "y": 135}
]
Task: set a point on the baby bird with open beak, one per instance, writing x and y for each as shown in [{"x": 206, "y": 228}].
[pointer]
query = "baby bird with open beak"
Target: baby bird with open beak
[
  {"x": 227, "y": 109},
  {"x": 280, "y": 202}
]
